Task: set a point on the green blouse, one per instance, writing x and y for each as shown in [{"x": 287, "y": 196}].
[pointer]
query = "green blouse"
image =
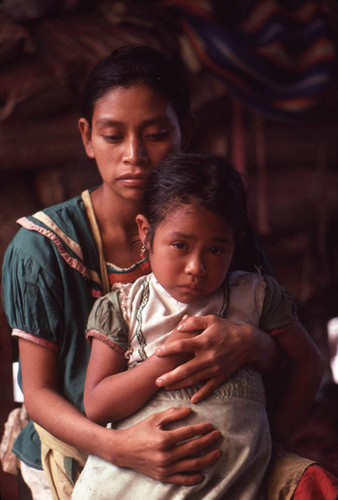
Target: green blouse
[{"x": 50, "y": 280}]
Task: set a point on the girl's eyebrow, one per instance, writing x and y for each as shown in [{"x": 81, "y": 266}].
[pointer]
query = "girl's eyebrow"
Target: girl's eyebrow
[{"x": 218, "y": 239}]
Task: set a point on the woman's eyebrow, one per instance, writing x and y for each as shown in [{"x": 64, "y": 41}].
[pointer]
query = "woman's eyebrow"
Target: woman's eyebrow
[{"x": 150, "y": 121}]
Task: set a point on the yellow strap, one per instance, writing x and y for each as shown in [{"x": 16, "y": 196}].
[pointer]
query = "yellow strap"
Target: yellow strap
[
  {"x": 85, "y": 195},
  {"x": 53, "y": 455}
]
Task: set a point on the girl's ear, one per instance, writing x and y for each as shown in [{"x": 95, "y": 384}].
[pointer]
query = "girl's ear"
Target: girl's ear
[
  {"x": 143, "y": 229},
  {"x": 86, "y": 137}
]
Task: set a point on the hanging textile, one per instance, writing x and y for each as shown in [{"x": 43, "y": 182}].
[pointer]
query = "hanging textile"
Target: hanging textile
[{"x": 276, "y": 56}]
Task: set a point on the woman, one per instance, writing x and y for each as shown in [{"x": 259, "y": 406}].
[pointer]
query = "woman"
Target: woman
[{"x": 136, "y": 112}]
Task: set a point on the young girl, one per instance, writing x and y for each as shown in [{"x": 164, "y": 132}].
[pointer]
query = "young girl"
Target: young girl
[{"x": 194, "y": 213}]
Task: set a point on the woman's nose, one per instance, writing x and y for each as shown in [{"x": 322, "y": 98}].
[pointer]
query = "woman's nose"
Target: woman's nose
[
  {"x": 135, "y": 152},
  {"x": 195, "y": 266}
]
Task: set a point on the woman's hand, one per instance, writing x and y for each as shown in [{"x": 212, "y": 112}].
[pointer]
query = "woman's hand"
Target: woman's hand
[
  {"x": 219, "y": 350},
  {"x": 174, "y": 456}
]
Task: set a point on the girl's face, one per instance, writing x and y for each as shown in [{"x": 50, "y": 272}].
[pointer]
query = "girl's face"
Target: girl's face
[
  {"x": 132, "y": 130},
  {"x": 191, "y": 251}
]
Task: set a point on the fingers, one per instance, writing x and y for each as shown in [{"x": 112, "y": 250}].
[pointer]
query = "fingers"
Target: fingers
[
  {"x": 193, "y": 448},
  {"x": 198, "y": 369},
  {"x": 179, "y": 373},
  {"x": 190, "y": 323},
  {"x": 205, "y": 390},
  {"x": 171, "y": 415},
  {"x": 178, "y": 346},
  {"x": 191, "y": 465}
]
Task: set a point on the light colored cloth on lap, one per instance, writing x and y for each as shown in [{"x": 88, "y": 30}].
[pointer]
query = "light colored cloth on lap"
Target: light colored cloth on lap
[
  {"x": 37, "y": 482},
  {"x": 245, "y": 446}
]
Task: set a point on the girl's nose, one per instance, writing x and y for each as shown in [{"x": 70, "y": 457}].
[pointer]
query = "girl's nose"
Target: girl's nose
[
  {"x": 195, "y": 266},
  {"x": 135, "y": 152}
]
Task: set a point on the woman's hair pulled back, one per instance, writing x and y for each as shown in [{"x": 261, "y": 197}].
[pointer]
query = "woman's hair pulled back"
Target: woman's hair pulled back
[
  {"x": 206, "y": 179},
  {"x": 132, "y": 64}
]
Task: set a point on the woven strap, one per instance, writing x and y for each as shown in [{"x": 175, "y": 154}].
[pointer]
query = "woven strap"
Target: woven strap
[
  {"x": 61, "y": 462},
  {"x": 85, "y": 195}
]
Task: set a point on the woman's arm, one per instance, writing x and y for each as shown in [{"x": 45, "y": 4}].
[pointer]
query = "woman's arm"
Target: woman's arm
[
  {"x": 146, "y": 447},
  {"x": 220, "y": 350},
  {"x": 112, "y": 392},
  {"x": 307, "y": 369}
]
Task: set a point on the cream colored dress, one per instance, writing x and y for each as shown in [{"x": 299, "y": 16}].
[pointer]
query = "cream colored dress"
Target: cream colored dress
[{"x": 236, "y": 408}]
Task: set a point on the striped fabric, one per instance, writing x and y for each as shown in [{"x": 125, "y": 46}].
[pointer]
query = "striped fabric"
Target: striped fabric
[{"x": 276, "y": 56}]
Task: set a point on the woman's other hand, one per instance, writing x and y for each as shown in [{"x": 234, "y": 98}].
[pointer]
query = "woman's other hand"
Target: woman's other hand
[{"x": 174, "y": 456}]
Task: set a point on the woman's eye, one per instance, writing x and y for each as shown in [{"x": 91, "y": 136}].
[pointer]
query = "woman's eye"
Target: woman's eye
[
  {"x": 158, "y": 136},
  {"x": 216, "y": 251},
  {"x": 112, "y": 138}
]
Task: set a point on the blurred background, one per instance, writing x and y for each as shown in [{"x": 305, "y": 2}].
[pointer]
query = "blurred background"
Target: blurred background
[{"x": 263, "y": 81}]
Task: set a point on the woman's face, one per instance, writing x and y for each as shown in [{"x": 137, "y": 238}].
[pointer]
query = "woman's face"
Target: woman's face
[{"x": 132, "y": 130}]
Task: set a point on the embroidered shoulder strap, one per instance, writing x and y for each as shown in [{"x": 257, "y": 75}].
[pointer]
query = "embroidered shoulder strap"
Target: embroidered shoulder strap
[{"x": 85, "y": 195}]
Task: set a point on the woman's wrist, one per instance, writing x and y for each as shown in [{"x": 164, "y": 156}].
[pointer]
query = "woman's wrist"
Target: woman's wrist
[{"x": 265, "y": 354}]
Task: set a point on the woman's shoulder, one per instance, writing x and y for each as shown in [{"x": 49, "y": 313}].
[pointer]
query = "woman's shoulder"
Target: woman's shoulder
[
  {"x": 58, "y": 232},
  {"x": 66, "y": 220}
]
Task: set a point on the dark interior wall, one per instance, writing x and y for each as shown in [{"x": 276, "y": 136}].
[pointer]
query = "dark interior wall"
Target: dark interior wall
[{"x": 290, "y": 166}]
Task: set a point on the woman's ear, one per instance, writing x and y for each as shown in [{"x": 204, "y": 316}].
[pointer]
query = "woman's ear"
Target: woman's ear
[
  {"x": 143, "y": 229},
  {"x": 188, "y": 129},
  {"x": 85, "y": 132}
]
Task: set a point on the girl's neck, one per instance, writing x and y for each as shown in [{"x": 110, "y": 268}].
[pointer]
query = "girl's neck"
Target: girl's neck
[{"x": 116, "y": 220}]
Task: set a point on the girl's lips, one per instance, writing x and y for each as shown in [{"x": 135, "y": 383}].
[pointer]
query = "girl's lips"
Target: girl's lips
[{"x": 191, "y": 288}]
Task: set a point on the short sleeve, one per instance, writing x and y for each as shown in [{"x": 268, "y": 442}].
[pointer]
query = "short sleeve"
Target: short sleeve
[
  {"x": 32, "y": 297},
  {"x": 106, "y": 322},
  {"x": 279, "y": 308}
]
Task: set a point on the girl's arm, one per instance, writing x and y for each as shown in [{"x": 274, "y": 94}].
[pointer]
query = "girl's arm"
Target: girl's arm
[
  {"x": 307, "y": 367},
  {"x": 112, "y": 392},
  {"x": 145, "y": 447}
]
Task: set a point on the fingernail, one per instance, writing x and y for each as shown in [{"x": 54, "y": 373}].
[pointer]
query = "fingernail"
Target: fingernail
[
  {"x": 180, "y": 327},
  {"x": 159, "y": 381},
  {"x": 158, "y": 351}
]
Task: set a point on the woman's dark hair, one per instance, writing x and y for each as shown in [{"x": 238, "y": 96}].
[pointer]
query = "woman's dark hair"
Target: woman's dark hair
[
  {"x": 206, "y": 179},
  {"x": 132, "y": 64}
]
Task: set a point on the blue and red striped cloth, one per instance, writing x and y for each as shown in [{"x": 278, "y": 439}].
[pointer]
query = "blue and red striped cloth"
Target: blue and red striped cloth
[{"x": 275, "y": 56}]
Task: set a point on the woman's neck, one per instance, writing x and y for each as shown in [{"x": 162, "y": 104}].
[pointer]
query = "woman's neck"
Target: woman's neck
[{"x": 116, "y": 220}]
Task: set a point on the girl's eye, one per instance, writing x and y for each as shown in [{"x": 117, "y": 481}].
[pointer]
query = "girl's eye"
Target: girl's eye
[{"x": 179, "y": 245}]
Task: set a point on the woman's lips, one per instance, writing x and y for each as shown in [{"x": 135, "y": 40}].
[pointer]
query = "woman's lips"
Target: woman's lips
[{"x": 133, "y": 180}]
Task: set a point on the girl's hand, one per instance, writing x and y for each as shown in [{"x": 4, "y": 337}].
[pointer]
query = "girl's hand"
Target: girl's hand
[
  {"x": 174, "y": 456},
  {"x": 219, "y": 351}
]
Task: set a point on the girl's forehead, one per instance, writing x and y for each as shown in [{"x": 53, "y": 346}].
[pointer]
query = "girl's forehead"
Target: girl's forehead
[
  {"x": 195, "y": 223},
  {"x": 191, "y": 215}
]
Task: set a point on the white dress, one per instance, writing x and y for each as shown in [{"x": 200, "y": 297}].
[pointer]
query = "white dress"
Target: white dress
[{"x": 236, "y": 408}]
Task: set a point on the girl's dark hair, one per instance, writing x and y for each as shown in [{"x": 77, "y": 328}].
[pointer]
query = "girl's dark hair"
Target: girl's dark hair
[
  {"x": 203, "y": 178},
  {"x": 132, "y": 64}
]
